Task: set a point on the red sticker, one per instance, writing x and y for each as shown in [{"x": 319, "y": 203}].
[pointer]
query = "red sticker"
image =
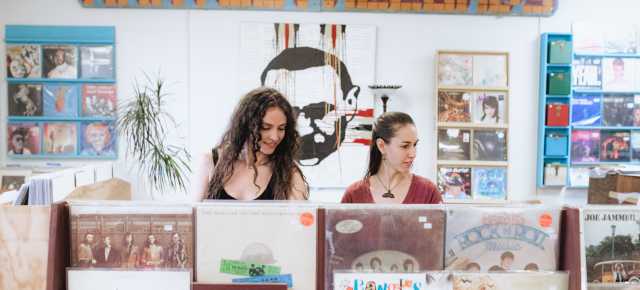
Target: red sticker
[
  {"x": 545, "y": 220},
  {"x": 306, "y": 219}
]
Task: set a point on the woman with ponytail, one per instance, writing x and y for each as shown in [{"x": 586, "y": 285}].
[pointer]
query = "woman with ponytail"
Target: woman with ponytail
[{"x": 389, "y": 178}]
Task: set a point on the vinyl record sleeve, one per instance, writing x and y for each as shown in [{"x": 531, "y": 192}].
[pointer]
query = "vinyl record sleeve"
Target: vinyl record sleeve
[
  {"x": 454, "y": 106},
  {"x": 237, "y": 286},
  {"x": 23, "y": 61},
  {"x": 25, "y": 100},
  {"x": 109, "y": 279},
  {"x": 240, "y": 241},
  {"x": 372, "y": 280},
  {"x": 141, "y": 235},
  {"x": 383, "y": 239},
  {"x": 505, "y": 238},
  {"x": 24, "y": 247},
  {"x": 454, "y": 144},
  {"x": 611, "y": 245},
  {"x": 511, "y": 281}
]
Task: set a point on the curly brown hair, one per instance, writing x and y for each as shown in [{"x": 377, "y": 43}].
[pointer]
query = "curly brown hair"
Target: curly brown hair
[{"x": 244, "y": 129}]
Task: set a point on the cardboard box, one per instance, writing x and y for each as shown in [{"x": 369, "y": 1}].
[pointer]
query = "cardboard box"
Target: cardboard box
[{"x": 614, "y": 188}]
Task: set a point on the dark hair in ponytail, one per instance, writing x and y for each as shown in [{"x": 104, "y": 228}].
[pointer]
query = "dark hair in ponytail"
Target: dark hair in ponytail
[{"x": 384, "y": 128}]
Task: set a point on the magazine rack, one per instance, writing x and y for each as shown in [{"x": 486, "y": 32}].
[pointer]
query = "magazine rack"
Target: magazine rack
[
  {"x": 61, "y": 92},
  {"x": 472, "y": 111}
]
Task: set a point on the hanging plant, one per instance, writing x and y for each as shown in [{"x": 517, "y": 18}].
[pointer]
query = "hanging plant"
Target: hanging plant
[{"x": 144, "y": 124}]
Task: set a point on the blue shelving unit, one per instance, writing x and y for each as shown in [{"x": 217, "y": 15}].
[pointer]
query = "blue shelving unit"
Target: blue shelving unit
[
  {"x": 545, "y": 98},
  {"x": 71, "y": 36},
  {"x": 546, "y": 66}
]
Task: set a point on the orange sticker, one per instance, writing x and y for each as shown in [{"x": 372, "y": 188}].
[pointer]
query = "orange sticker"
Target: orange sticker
[
  {"x": 306, "y": 219},
  {"x": 545, "y": 220}
]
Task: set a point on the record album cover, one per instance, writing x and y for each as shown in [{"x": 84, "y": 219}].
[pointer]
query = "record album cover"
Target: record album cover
[
  {"x": 611, "y": 244},
  {"x": 454, "y": 182},
  {"x": 25, "y": 100},
  {"x": 60, "y": 100},
  {"x": 618, "y": 74},
  {"x": 96, "y": 62},
  {"x": 579, "y": 176},
  {"x": 620, "y": 38},
  {"x": 60, "y": 138},
  {"x": 490, "y": 145},
  {"x": 98, "y": 139},
  {"x": 121, "y": 279},
  {"x": 12, "y": 179},
  {"x": 455, "y": 69},
  {"x": 489, "y": 108},
  {"x": 586, "y": 109},
  {"x": 454, "y": 144},
  {"x": 615, "y": 146},
  {"x": 490, "y": 70},
  {"x": 617, "y": 110},
  {"x": 454, "y": 106},
  {"x": 636, "y": 111},
  {"x": 23, "y": 138},
  {"x": 502, "y": 239},
  {"x": 131, "y": 236},
  {"x": 374, "y": 239},
  {"x": 259, "y": 240},
  {"x": 635, "y": 146},
  {"x": 24, "y": 247},
  {"x": 585, "y": 146},
  {"x": 60, "y": 61},
  {"x": 490, "y": 183},
  {"x": 587, "y": 72},
  {"x": 364, "y": 280},
  {"x": 511, "y": 281},
  {"x": 99, "y": 101},
  {"x": 23, "y": 61},
  {"x": 588, "y": 37}
]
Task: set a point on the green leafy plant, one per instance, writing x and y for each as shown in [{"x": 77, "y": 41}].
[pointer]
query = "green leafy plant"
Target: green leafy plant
[{"x": 144, "y": 124}]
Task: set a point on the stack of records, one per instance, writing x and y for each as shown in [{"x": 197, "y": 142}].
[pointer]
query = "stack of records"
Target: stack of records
[
  {"x": 611, "y": 247},
  {"x": 394, "y": 239},
  {"x": 502, "y": 238},
  {"x": 257, "y": 243},
  {"x": 130, "y": 246}
]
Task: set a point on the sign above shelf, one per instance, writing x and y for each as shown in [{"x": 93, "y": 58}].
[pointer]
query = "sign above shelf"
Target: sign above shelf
[{"x": 545, "y": 8}]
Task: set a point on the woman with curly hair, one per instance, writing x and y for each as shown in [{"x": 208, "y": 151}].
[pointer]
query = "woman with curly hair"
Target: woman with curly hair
[{"x": 257, "y": 156}]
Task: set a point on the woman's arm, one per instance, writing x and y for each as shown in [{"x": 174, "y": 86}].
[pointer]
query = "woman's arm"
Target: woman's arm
[
  {"x": 200, "y": 188},
  {"x": 299, "y": 188}
]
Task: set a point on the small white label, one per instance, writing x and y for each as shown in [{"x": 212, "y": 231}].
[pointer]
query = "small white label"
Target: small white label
[
  {"x": 428, "y": 226},
  {"x": 422, "y": 219},
  {"x": 348, "y": 226},
  {"x": 168, "y": 228}
]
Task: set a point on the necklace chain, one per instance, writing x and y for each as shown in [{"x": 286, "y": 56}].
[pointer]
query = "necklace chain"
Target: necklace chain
[{"x": 388, "y": 193}]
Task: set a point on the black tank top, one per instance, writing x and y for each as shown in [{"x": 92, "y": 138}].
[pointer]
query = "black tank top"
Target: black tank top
[{"x": 267, "y": 194}]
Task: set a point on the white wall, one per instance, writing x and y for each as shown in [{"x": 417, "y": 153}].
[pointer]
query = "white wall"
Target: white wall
[{"x": 197, "y": 51}]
